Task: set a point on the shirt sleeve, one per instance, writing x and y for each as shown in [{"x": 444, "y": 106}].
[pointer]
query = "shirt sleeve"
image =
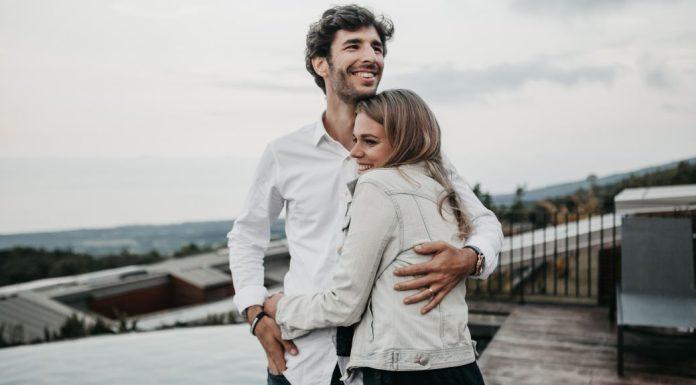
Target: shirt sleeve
[
  {"x": 373, "y": 219},
  {"x": 251, "y": 233},
  {"x": 487, "y": 233}
]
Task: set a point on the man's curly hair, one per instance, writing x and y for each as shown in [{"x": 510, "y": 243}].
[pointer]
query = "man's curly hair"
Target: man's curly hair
[{"x": 348, "y": 17}]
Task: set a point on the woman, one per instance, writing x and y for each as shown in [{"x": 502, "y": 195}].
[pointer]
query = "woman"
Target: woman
[{"x": 401, "y": 199}]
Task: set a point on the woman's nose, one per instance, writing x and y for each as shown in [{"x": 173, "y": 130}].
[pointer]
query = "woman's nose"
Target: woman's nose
[{"x": 355, "y": 152}]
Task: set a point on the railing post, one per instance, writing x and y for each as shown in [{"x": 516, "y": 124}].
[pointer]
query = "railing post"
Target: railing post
[
  {"x": 555, "y": 253},
  {"x": 500, "y": 273},
  {"x": 589, "y": 255},
  {"x": 543, "y": 251},
  {"x": 512, "y": 270},
  {"x": 565, "y": 267},
  {"x": 615, "y": 260},
  {"x": 577, "y": 252},
  {"x": 533, "y": 220},
  {"x": 522, "y": 265}
]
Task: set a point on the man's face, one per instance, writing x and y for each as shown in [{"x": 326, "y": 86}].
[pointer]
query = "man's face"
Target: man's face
[{"x": 355, "y": 64}]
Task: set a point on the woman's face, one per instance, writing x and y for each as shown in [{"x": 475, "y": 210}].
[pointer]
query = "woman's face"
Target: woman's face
[{"x": 370, "y": 145}]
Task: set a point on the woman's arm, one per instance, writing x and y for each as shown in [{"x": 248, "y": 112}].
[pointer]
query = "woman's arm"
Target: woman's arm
[{"x": 373, "y": 219}]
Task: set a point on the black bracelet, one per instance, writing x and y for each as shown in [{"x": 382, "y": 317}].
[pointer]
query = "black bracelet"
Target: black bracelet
[{"x": 256, "y": 320}]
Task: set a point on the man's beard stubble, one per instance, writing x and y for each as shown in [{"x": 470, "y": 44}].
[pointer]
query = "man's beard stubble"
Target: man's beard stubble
[{"x": 342, "y": 88}]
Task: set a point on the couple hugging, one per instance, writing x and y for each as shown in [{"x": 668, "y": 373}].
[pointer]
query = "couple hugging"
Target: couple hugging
[{"x": 377, "y": 220}]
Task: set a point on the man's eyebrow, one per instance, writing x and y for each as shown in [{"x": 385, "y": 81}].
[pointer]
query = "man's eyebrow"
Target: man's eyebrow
[{"x": 352, "y": 41}]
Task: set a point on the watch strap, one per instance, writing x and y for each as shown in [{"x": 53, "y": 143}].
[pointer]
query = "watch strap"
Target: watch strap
[{"x": 256, "y": 320}]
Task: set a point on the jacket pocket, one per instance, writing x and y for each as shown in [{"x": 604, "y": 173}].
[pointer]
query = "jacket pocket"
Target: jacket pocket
[{"x": 453, "y": 330}]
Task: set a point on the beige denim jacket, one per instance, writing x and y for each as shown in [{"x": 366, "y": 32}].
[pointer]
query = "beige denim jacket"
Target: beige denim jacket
[{"x": 392, "y": 210}]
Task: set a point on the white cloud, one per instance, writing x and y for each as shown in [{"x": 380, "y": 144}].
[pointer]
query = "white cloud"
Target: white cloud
[{"x": 546, "y": 95}]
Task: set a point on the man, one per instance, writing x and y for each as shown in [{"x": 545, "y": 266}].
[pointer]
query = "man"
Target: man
[{"x": 306, "y": 173}]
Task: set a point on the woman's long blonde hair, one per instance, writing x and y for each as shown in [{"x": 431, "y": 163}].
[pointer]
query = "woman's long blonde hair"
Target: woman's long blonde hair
[{"x": 414, "y": 135}]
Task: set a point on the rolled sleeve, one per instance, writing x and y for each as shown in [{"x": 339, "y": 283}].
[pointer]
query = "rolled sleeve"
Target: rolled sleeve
[
  {"x": 487, "y": 233},
  {"x": 251, "y": 233}
]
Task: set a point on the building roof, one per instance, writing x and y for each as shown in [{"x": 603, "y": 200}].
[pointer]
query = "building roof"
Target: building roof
[
  {"x": 656, "y": 199},
  {"x": 33, "y": 312},
  {"x": 185, "y": 314},
  {"x": 202, "y": 277}
]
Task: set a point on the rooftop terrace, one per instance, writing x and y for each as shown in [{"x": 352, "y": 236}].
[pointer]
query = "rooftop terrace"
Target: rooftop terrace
[{"x": 569, "y": 345}]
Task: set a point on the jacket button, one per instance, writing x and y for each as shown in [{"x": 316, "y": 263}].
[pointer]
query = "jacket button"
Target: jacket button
[{"x": 421, "y": 360}]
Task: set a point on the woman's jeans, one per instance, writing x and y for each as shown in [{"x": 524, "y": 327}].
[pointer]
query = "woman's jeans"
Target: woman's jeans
[{"x": 468, "y": 374}]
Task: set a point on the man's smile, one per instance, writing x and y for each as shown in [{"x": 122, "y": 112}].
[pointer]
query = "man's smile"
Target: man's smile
[{"x": 367, "y": 75}]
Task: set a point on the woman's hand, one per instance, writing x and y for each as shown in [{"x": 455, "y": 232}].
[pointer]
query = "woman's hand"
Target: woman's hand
[{"x": 270, "y": 306}]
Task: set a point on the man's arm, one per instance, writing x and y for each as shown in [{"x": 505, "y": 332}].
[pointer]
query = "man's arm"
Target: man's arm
[
  {"x": 487, "y": 233},
  {"x": 450, "y": 264},
  {"x": 247, "y": 242}
]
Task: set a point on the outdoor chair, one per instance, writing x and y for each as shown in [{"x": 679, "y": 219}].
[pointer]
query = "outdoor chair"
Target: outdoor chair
[{"x": 658, "y": 276}]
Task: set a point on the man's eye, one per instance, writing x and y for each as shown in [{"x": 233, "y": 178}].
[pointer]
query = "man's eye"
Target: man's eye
[
  {"x": 378, "y": 49},
  {"x": 355, "y": 140}
]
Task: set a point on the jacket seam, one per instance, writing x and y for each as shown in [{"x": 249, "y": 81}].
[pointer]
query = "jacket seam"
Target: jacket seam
[
  {"x": 382, "y": 188},
  {"x": 422, "y": 218}
]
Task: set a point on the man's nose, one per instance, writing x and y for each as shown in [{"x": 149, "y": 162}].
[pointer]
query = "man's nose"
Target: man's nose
[{"x": 369, "y": 55}]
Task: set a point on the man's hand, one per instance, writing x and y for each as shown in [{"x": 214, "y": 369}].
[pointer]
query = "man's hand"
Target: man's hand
[
  {"x": 439, "y": 275},
  {"x": 268, "y": 333},
  {"x": 270, "y": 305}
]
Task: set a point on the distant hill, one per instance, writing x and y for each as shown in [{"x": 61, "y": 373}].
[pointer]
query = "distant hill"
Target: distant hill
[
  {"x": 569, "y": 188},
  {"x": 137, "y": 239},
  {"x": 166, "y": 239}
]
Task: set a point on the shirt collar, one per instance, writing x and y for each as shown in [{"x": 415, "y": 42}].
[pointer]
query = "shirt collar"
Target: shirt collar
[
  {"x": 319, "y": 130},
  {"x": 351, "y": 186}
]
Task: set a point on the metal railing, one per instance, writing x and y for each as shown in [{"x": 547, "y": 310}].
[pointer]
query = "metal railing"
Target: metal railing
[{"x": 568, "y": 257}]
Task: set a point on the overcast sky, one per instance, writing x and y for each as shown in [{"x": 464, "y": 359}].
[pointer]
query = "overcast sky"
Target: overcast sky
[{"x": 526, "y": 91}]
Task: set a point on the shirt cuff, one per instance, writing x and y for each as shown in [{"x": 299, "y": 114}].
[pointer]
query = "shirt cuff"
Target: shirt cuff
[
  {"x": 487, "y": 251},
  {"x": 249, "y": 296}
]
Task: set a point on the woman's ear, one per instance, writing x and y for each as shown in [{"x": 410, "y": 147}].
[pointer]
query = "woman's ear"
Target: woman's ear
[{"x": 321, "y": 66}]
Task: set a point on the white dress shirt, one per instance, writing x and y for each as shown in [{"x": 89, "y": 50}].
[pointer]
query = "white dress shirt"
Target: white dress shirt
[{"x": 306, "y": 172}]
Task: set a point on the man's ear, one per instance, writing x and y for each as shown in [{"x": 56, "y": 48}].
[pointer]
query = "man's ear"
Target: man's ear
[{"x": 321, "y": 66}]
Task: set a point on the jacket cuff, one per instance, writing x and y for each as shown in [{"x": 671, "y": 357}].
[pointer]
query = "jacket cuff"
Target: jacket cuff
[{"x": 287, "y": 332}]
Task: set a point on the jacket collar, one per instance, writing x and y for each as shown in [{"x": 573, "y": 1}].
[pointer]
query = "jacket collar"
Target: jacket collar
[{"x": 419, "y": 167}]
